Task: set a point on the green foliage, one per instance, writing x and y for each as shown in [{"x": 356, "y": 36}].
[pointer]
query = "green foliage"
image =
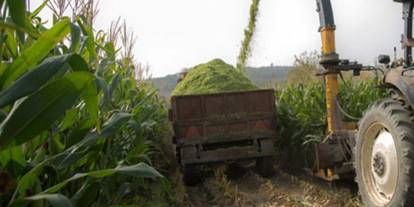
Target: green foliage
[
  {"x": 17, "y": 9},
  {"x": 139, "y": 170},
  {"x": 301, "y": 107},
  {"x": 77, "y": 127},
  {"x": 28, "y": 58},
  {"x": 305, "y": 69},
  {"x": 301, "y": 114},
  {"x": 213, "y": 77},
  {"x": 39, "y": 76},
  {"x": 41, "y": 109},
  {"x": 56, "y": 200},
  {"x": 248, "y": 36},
  {"x": 360, "y": 95}
]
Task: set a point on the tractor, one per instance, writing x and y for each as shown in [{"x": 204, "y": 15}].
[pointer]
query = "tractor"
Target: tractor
[{"x": 379, "y": 149}]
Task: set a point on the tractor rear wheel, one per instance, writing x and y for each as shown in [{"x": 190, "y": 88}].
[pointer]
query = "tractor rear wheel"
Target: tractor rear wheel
[{"x": 384, "y": 155}]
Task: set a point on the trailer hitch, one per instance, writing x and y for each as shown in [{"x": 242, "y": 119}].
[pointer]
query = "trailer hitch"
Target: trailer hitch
[{"x": 334, "y": 155}]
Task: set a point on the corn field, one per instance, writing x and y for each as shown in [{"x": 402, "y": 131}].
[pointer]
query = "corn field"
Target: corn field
[
  {"x": 301, "y": 114},
  {"x": 79, "y": 126}
]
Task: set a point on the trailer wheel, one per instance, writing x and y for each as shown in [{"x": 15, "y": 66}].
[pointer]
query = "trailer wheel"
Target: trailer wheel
[
  {"x": 191, "y": 175},
  {"x": 264, "y": 166},
  {"x": 384, "y": 155}
]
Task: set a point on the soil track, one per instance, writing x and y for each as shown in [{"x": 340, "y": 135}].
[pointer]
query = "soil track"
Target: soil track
[{"x": 241, "y": 186}]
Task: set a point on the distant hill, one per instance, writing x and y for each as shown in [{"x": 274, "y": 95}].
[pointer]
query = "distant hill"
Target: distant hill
[{"x": 263, "y": 77}]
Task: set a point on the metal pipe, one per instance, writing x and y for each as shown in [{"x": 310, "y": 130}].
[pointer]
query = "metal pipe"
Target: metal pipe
[{"x": 329, "y": 58}]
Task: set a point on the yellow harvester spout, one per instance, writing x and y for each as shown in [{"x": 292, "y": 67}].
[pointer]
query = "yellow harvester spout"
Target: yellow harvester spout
[
  {"x": 329, "y": 58},
  {"x": 334, "y": 119}
]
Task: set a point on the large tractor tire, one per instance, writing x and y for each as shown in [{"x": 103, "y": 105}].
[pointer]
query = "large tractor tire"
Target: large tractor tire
[{"x": 384, "y": 155}]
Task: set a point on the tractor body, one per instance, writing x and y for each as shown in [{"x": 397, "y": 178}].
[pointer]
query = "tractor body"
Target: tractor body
[{"x": 379, "y": 150}]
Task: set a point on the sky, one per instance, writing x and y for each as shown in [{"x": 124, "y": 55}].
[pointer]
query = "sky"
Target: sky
[{"x": 177, "y": 34}]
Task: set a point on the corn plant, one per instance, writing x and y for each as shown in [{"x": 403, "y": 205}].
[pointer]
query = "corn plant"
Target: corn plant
[
  {"x": 77, "y": 128},
  {"x": 301, "y": 114}
]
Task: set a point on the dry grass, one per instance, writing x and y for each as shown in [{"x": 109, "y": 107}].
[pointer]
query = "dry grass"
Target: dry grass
[
  {"x": 180, "y": 190},
  {"x": 252, "y": 190},
  {"x": 230, "y": 194}
]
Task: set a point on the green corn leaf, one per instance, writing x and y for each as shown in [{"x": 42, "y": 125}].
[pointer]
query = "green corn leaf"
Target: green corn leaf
[
  {"x": 114, "y": 123},
  {"x": 78, "y": 133},
  {"x": 90, "y": 96},
  {"x": 69, "y": 120},
  {"x": 35, "y": 53},
  {"x": 13, "y": 27},
  {"x": 33, "y": 80},
  {"x": 13, "y": 160},
  {"x": 56, "y": 145},
  {"x": 17, "y": 9},
  {"x": 86, "y": 195},
  {"x": 36, "y": 78},
  {"x": 110, "y": 51},
  {"x": 3, "y": 115},
  {"x": 103, "y": 66},
  {"x": 56, "y": 200},
  {"x": 29, "y": 179},
  {"x": 90, "y": 39},
  {"x": 106, "y": 99},
  {"x": 77, "y": 63},
  {"x": 75, "y": 38},
  {"x": 140, "y": 170},
  {"x": 112, "y": 87},
  {"x": 72, "y": 154},
  {"x": 11, "y": 44},
  {"x": 41, "y": 109}
]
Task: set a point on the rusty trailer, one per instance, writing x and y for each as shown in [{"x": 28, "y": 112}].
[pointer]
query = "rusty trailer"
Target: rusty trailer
[{"x": 225, "y": 127}]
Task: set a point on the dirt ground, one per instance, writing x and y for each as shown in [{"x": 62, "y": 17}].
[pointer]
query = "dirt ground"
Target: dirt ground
[{"x": 240, "y": 186}]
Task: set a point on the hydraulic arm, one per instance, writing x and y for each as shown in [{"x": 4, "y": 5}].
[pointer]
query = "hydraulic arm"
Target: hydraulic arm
[
  {"x": 329, "y": 58},
  {"x": 407, "y": 41},
  {"x": 334, "y": 152}
]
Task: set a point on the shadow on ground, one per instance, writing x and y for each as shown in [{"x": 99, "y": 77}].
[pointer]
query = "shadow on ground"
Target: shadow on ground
[{"x": 240, "y": 186}]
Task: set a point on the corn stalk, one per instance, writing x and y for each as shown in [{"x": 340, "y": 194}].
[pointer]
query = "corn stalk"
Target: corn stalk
[{"x": 77, "y": 128}]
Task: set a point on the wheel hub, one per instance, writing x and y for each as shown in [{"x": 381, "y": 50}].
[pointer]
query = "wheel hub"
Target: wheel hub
[
  {"x": 379, "y": 164},
  {"x": 384, "y": 165}
]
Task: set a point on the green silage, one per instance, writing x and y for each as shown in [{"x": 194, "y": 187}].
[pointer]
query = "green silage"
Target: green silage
[
  {"x": 215, "y": 76},
  {"x": 248, "y": 36}
]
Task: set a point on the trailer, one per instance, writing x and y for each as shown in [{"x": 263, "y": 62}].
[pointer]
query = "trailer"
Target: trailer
[{"x": 222, "y": 127}]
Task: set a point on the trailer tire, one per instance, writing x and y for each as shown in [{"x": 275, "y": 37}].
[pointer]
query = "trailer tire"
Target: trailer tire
[
  {"x": 384, "y": 155},
  {"x": 264, "y": 166},
  {"x": 191, "y": 175}
]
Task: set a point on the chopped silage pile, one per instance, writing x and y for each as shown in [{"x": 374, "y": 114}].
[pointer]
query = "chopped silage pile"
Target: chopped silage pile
[{"x": 215, "y": 76}]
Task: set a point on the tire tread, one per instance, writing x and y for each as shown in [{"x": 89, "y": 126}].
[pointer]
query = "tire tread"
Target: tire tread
[{"x": 401, "y": 118}]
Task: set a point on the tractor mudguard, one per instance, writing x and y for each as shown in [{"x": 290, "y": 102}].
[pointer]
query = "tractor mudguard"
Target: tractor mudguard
[{"x": 403, "y": 81}]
